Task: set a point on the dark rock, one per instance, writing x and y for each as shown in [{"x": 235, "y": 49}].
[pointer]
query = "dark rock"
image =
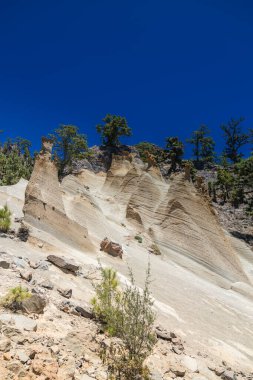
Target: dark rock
[
  {"x": 4, "y": 264},
  {"x": 113, "y": 249},
  {"x": 70, "y": 308},
  {"x": 23, "y": 233},
  {"x": 33, "y": 305},
  {"x": 84, "y": 311},
  {"x": 62, "y": 263}
]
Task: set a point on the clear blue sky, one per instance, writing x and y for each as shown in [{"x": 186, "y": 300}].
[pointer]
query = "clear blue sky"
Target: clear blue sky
[{"x": 167, "y": 65}]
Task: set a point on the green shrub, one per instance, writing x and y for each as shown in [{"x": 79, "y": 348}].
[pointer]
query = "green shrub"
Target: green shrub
[
  {"x": 5, "y": 219},
  {"x": 138, "y": 238},
  {"x": 126, "y": 314},
  {"x": 106, "y": 294},
  {"x": 14, "y": 297}
]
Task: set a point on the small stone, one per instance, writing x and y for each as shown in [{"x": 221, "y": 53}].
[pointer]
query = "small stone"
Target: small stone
[
  {"x": 177, "y": 350},
  {"x": 190, "y": 363},
  {"x": 10, "y": 331},
  {"x": 32, "y": 354},
  {"x": 14, "y": 366},
  {"x": 178, "y": 370},
  {"x": 84, "y": 311},
  {"x": 86, "y": 377},
  {"x": 43, "y": 265},
  {"x": 5, "y": 344},
  {"x": 22, "y": 357},
  {"x": 211, "y": 366},
  {"x": 33, "y": 264},
  {"x": 229, "y": 375},
  {"x": 7, "y": 356},
  {"x": 155, "y": 375},
  {"x": 219, "y": 371},
  {"x": 20, "y": 262},
  {"x": 26, "y": 275},
  {"x": 47, "y": 284},
  {"x": 67, "y": 293},
  {"x": 55, "y": 349}
]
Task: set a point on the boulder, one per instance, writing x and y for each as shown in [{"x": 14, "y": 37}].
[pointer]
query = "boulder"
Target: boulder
[
  {"x": 63, "y": 263},
  {"x": 33, "y": 305},
  {"x": 113, "y": 249},
  {"x": 4, "y": 264}
]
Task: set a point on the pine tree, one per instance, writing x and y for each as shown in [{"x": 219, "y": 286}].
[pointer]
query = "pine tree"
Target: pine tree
[
  {"x": 175, "y": 150},
  {"x": 235, "y": 139},
  {"x": 69, "y": 145},
  {"x": 113, "y": 128},
  {"x": 15, "y": 161},
  {"x": 203, "y": 146}
]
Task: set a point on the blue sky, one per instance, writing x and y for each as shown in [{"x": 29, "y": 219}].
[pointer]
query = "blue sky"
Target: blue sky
[{"x": 167, "y": 65}]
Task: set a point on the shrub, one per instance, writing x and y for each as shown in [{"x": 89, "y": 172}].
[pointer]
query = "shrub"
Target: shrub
[
  {"x": 127, "y": 315},
  {"x": 106, "y": 294},
  {"x": 155, "y": 249},
  {"x": 14, "y": 297},
  {"x": 5, "y": 219},
  {"x": 138, "y": 238}
]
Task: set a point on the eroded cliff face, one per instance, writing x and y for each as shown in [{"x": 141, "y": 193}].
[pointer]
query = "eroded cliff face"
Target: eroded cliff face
[
  {"x": 44, "y": 208},
  {"x": 172, "y": 214}
]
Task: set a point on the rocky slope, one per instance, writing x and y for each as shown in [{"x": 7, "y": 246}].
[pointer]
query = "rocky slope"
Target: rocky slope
[{"x": 202, "y": 281}]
